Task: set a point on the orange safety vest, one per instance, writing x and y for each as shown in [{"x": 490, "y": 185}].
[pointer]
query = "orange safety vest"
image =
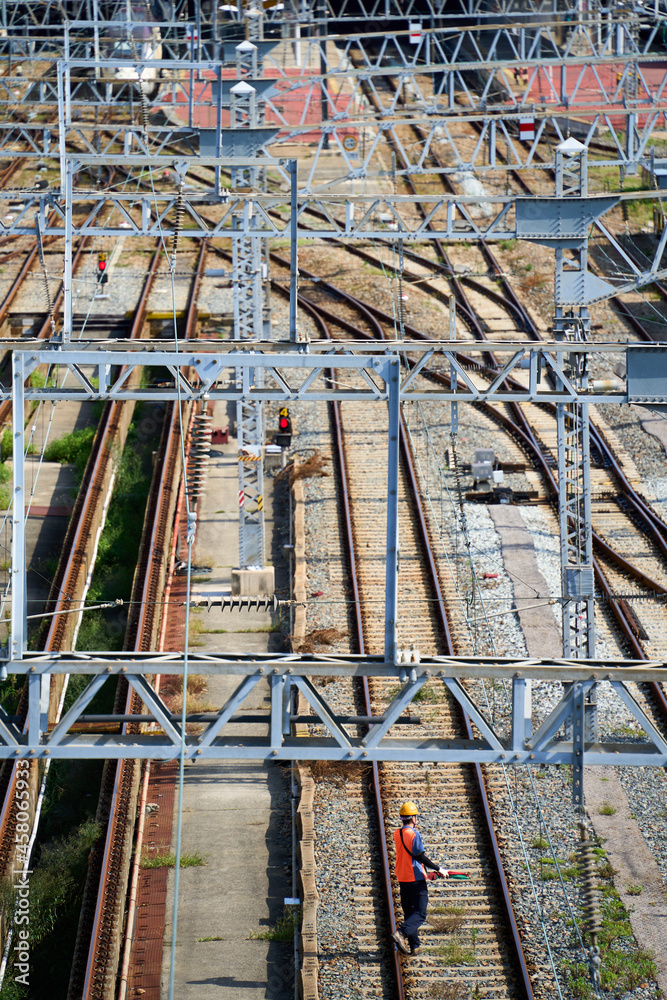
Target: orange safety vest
[{"x": 404, "y": 862}]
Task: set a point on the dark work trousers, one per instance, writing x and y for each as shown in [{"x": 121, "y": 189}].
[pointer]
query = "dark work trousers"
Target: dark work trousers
[{"x": 414, "y": 900}]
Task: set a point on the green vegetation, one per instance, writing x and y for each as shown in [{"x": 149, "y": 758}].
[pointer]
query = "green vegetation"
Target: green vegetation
[
  {"x": 56, "y": 892},
  {"x": 607, "y": 809},
  {"x": 428, "y": 694},
  {"x": 634, "y": 890},
  {"x": 623, "y": 966},
  {"x": 73, "y": 448},
  {"x": 192, "y": 859},
  {"x": 606, "y": 870},
  {"x": 457, "y": 951},
  {"x": 119, "y": 543},
  {"x": 507, "y": 244},
  {"x": 283, "y": 930},
  {"x": 539, "y": 843}
]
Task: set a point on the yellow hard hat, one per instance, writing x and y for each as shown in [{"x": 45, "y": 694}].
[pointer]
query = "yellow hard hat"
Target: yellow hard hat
[{"x": 409, "y": 809}]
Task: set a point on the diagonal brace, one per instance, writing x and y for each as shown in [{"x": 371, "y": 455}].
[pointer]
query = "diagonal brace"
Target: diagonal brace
[
  {"x": 322, "y": 710},
  {"x": 457, "y": 691},
  {"x": 75, "y": 710},
  {"x": 228, "y": 709},
  {"x": 392, "y": 712},
  {"x": 653, "y": 734},
  {"x": 155, "y": 706}
]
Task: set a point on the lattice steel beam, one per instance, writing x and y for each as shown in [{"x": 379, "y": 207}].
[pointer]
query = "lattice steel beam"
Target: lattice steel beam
[{"x": 505, "y": 742}]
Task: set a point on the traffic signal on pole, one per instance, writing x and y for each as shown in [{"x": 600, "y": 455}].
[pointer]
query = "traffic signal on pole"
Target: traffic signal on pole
[
  {"x": 284, "y": 435},
  {"x": 102, "y": 275}
]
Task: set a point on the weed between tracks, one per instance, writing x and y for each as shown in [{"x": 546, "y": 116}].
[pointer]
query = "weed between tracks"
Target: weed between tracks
[
  {"x": 457, "y": 951},
  {"x": 447, "y": 919},
  {"x": 452, "y": 991},
  {"x": 283, "y": 929},
  {"x": 624, "y": 966}
]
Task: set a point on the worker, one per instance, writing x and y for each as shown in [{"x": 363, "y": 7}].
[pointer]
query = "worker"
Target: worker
[{"x": 412, "y": 879}]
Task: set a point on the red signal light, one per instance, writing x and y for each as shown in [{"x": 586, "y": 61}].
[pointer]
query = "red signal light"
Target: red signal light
[
  {"x": 102, "y": 276},
  {"x": 284, "y": 435}
]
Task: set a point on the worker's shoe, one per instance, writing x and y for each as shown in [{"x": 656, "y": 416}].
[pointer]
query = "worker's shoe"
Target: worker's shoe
[
  {"x": 415, "y": 951},
  {"x": 401, "y": 942}
]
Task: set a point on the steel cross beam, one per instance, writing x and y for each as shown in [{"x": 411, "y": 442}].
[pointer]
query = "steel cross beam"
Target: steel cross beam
[
  {"x": 302, "y": 371},
  {"x": 505, "y": 742}
]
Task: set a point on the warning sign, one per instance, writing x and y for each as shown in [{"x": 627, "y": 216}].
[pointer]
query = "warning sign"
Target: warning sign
[
  {"x": 350, "y": 143},
  {"x": 526, "y": 128}
]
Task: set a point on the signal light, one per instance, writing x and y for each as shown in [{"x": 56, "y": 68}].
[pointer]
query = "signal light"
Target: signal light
[
  {"x": 102, "y": 276},
  {"x": 284, "y": 435}
]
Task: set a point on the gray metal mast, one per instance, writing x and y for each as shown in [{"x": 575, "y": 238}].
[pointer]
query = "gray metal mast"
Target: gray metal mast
[
  {"x": 251, "y": 311},
  {"x": 572, "y": 323}
]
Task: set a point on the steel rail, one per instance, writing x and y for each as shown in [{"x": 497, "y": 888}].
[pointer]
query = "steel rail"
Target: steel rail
[
  {"x": 649, "y": 519},
  {"x": 97, "y": 939},
  {"x": 406, "y": 457},
  {"x": 351, "y": 558}
]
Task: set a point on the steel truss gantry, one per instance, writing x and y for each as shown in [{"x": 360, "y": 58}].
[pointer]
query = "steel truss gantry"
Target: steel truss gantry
[
  {"x": 296, "y": 372},
  {"x": 503, "y": 740},
  {"x": 303, "y": 372},
  {"x": 602, "y": 78}
]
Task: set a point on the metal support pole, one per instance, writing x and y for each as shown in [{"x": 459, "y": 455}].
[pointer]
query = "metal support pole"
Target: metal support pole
[
  {"x": 67, "y": 264},
  {"x": 19, "y": 599},
  {"x": 391, "y": 587},
  {"x": 292, "y": 168},
  {"x": 453, "y": 374},
  {"x": 324, "y": 101},
  {"x": 578, "y": 736}
]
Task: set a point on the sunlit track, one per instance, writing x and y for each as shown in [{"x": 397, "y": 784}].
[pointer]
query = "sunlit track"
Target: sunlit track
[{"x": 483, "y": 903}]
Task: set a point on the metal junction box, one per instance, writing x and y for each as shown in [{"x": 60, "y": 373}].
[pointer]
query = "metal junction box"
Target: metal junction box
[{"x": 647, "y": 373}]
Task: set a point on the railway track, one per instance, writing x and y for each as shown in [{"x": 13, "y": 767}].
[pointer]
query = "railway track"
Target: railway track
[
  {"x": 106, "y": 929},
  {"x": 486, "y": 952}
]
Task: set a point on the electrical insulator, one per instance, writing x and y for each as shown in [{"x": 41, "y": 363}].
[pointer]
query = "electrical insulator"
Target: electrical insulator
[
  {"x": 284, "y": 435},
  {"x": 102, "y": 275}
]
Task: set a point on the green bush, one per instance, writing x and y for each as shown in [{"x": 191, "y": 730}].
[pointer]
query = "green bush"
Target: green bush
[
  {"x": 56, "y": 880},
  {"x": 72, "y": 448}
]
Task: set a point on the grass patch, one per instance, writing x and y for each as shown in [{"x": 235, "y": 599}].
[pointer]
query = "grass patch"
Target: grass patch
[
  {"x": 216, "y": 937},
  {"x": 192, "y": 859},
  {"x": 507, "y": 244},
  {"x": 539, "y": 843},
  {"x": 72, "y": 449},
  {"x": 283, "y": 929},
  {"x": 606, "y": 870},
  {"x": 634, "y": 890},
  {"x": 447, "y": 919},
  {"x": 5, "y": 487},
  {"x": 607, "y": 809},
  {"x": 456, "y": 952},
  {"x": 624, "y": 967}
]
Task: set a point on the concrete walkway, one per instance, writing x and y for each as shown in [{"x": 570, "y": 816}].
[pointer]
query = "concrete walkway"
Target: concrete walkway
[{"x": 234, "y": 813}]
